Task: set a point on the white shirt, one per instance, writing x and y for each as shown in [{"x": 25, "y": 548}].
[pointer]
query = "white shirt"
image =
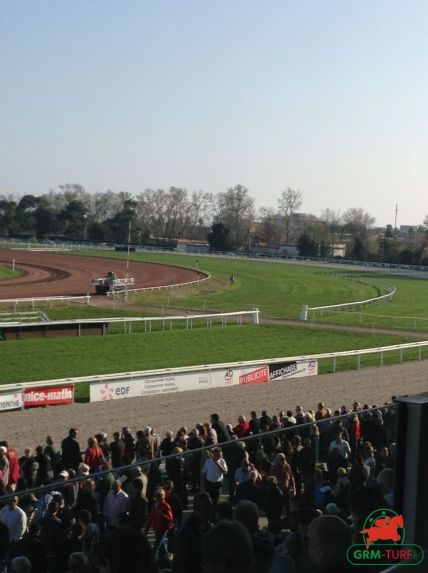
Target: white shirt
[
  {"x": 342, "y": 446},
  {"x": 212, "y": 471},
  {"x": 114, "y": 505},
  {"x": 16, "y": 521}
]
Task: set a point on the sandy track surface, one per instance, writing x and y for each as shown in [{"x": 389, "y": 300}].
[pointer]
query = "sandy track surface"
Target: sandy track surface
[
  {"x": 170, "y": 411},
  {"x": 50, "y": 274}
]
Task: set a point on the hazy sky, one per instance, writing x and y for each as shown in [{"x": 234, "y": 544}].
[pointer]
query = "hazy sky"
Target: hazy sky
[{"x": 329, "y": 97}]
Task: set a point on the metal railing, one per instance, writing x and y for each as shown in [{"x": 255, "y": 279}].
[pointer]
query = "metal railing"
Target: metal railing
[{"x": 33, "y": 301}]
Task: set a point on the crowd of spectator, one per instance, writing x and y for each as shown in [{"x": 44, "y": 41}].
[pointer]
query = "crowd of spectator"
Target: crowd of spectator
[{"x": 286, "y": 493}]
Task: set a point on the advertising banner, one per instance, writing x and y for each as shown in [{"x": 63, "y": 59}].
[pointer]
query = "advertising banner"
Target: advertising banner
[
  {"x": 181, "y": 382},
  {"x": 12, "y": 401},
  {"x": 48, "y": 395},
  {"x": 293, "y": 369}
]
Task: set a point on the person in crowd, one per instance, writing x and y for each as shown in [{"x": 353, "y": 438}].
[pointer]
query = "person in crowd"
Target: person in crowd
[
  {"x": 341, "y": 492},
  {"x": 14, "y": 467},
  {"x": 124, "y": 550},
  {"x": 247, "y": 513},
  {"x": 94, "y": 456},
  {"x": 20, "y": 564},
  {"x": 166, "y": 446},
  {"x": 117, "y": 451},
  {"x": 52, "y": 451},
  {"x": 370, "y": 462},
  {"x": 227, "y": 548},
  {"x": 176, "y": 470},
  {"x": 194, "y": 442},
  {"x": 91, "y": 534},
  {"x": 87, "y": 499},
  {"x": 115, "y": 505},
  {"x": 70, "y": 449},
  {"x": 15, "y": 519},
  {"x": 188, "y": 540},
  {"x": 385, "y": 480},
  {"x": 101, "y": 438},
  {"x": 222, "y": 432},
  {"x": 137, "y": 505},
  {"x": 78, "y": 562},
  {"x": 129, "y": 440},
  {"x": 104, "y": 483},
  {"x": 28, "y": 469},
  {"x": 4, "y": 468},
  {"x": 273, "y": 504},
  {"x": 242, "y": 429},
  {"x": 248, "y": 490},
  {"x": 359, "y": 473},
  {"x": 281, "y": 470},
  {"x": 161, "y": 520},
  {"x": 329, "y": 538},
  {"x": 214, "y": 470},
  {"x": 44, "y": 473}
]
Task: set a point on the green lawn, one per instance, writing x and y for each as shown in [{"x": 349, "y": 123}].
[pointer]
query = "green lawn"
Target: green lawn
[
  {"x": 277, "y": 288},
  {"x": 408, "y": 310},
  {"x": 48, "y": 358},
  {"x": 7, "y": 273}
]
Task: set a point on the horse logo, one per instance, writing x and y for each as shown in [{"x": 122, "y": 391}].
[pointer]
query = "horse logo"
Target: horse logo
[{"x": 383, "y": 527}]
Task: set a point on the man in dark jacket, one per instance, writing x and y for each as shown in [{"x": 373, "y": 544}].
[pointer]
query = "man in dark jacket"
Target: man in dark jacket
[
  {"x": 223, "y": 434},
  {"x": 70, "y": 449},
  {"x": 187, "y": 544}
]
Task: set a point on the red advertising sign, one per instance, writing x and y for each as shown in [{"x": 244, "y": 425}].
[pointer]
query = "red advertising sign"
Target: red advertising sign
[
  {"x": 45, "y": 396},
  {"x": 255, "y": 376}
]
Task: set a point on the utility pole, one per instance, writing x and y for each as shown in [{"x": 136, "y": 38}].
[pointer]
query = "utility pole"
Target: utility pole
[
  {"x": 127, "y": 260},
  {"x": 396, "y": 213}
]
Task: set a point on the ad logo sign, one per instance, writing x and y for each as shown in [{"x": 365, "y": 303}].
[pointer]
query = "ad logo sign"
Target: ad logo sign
[{"x": 384, "y": 534}]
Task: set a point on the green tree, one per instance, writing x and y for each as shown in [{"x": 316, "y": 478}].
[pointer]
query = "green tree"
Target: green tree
[
  {"x": 218, "y": 238},
  {"x": 307, "y": 245}
]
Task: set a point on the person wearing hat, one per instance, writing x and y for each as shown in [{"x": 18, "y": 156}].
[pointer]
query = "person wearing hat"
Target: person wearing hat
[{"x": 83, "y": 469}]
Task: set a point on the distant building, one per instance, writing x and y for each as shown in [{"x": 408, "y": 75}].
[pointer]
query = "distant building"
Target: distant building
[{"x": 407, "y": 231}]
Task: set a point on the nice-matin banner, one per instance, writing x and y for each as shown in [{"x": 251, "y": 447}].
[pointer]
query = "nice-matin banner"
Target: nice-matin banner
[{"x": 181, "y": 382}]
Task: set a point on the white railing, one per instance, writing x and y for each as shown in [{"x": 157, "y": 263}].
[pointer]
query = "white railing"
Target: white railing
[
  {"x": 348, "y": 305},
  {"x": 129, "y": 376},
  {"x": 163, "y": 287},
  {"x": 85, "y": 299},
  {"x": 148, "y": 320}
]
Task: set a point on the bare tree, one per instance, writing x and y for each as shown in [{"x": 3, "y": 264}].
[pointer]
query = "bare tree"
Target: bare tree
[
  {"x": 356, "y": 219},
  {"x": 235, "y": 208},
  {"x": 269, "y": 227},
  {"x": 289, "y": 201}
]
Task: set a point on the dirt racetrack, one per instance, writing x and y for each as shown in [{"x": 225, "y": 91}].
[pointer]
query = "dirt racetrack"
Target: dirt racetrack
[
  {"x": 170, "y": 411},
  {"x": 54, "y": 273}
]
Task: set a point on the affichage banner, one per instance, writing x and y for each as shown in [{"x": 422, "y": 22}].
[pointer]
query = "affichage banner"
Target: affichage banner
[{"x": 162, "y": 384}]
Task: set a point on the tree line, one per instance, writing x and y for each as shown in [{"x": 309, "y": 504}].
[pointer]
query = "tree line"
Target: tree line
[{"x": 228, "y": 220}]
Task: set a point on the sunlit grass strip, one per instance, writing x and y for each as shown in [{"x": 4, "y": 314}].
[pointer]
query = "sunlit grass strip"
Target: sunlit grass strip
[{"x": 49, "y": 358}]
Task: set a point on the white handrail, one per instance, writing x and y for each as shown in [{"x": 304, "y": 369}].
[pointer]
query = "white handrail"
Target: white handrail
[
  {"x": 162, "y": 287},
  {"x": 388, "y": 296},
  {"x": 33, "y": 299},
  {"x": 121, "y": 319}
]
